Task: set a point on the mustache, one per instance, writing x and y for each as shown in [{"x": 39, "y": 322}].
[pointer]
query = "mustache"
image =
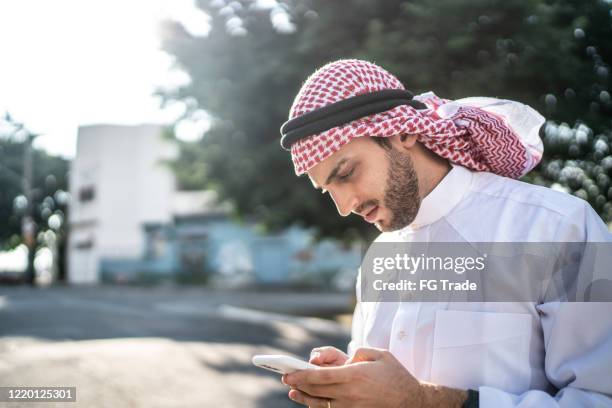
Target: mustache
[{"x": 363, "y": 206}]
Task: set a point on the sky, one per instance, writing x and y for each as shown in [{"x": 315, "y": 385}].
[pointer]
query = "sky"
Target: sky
[{"x": 66, "y": 63}]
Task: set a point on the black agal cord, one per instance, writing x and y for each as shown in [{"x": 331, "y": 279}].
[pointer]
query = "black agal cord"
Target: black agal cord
[{"x": 343, "y": 112}]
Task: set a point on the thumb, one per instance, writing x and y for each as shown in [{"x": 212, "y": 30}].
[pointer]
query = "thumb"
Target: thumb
[
  {"x": 366, "y": 354},
  {"x": 325, "y": 355}
]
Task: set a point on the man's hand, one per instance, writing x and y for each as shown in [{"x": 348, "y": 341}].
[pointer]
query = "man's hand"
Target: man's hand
[
  {"x": 372, "y": 378},
  {"x": 328, "y": 357}
]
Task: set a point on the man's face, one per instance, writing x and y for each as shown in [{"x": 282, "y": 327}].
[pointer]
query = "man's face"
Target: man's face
[{"x": 377, "y": 183}]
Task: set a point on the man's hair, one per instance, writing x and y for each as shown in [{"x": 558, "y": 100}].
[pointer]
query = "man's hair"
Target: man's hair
[
  {"x": 382, "y": 142},
  {"x": 385, "y": 143}
]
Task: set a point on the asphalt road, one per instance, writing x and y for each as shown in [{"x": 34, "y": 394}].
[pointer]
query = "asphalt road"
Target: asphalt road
[{"x": 158, "y": 347}]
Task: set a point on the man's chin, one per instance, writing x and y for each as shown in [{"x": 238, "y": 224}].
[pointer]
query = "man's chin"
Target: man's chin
[
  {"x": 383, "y": 226},
  {"x": 386, "y": 229}
]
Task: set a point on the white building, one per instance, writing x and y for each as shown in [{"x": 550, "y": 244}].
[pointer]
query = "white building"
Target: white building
[
  {"x": 127, "y": 217},
  {"x": 118, "y": 182}
]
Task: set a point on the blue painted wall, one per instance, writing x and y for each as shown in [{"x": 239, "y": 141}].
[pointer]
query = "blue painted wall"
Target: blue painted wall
[{"x": 217, "y": 246}]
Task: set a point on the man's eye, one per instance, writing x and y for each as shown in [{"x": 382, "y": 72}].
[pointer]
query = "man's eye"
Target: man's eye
[{"x": 345, "y": 177}]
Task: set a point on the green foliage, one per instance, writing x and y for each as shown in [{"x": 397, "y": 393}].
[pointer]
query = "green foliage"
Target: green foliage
[{"x": 553, "y": 55}]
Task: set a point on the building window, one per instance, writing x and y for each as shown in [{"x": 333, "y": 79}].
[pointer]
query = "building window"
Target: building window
[
  {"x": 85, "y": 244},
  {"x": 158, "y": 245},
  {"x": 87, "y": 194}
]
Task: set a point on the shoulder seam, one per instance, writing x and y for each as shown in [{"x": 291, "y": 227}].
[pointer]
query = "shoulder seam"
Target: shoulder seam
[{"x": 508, "y": 197}]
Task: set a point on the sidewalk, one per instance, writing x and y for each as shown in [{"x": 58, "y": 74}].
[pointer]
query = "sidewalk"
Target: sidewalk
[{"x": 160, "y": 347}]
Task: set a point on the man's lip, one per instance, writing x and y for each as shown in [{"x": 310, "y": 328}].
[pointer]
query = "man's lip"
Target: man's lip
[{"x": 371, "y": 215}]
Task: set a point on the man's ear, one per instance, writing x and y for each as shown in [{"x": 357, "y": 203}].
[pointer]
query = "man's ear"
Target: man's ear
[{"x": 405, "y": 141}]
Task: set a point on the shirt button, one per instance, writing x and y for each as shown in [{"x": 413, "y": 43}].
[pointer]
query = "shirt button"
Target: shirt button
[{"x": 401, "y": 335}]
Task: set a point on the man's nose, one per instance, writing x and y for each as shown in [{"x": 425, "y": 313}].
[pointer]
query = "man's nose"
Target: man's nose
[{"x": 345, "y": 203}]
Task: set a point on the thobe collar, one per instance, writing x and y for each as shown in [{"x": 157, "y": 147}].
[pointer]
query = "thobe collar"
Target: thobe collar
[{"x": 442, "y": 199}]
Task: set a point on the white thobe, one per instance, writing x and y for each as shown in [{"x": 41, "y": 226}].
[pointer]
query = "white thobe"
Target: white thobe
[{"x": 514, "y": 353}]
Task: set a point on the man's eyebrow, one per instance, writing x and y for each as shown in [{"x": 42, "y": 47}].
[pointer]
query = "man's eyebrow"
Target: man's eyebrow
[{"x": 335, "y": 171}]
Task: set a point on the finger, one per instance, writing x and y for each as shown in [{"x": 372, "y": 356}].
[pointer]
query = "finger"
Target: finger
[
  {"x": 323, "y": 375},
  {"x": 324, "y": 355},
  {"x": 336, "y": 391},
  {"x": 297, "y": 396},
  {"x": 367, "y": 354},
  {"x": 308, "y": 400}
]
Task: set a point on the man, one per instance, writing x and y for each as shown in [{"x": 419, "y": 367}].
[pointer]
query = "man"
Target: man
[{"x": 427, "y": 170}]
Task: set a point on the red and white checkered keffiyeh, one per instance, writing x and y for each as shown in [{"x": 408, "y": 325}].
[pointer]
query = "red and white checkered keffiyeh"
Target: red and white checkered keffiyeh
[{"x": 467, "y": 133}]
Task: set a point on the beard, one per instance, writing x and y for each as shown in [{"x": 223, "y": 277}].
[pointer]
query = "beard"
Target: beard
[
  {"x": 401, "y": 191},
  {"x": 401, "y": 194}
]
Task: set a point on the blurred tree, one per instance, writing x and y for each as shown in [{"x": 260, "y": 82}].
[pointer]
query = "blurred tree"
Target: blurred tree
[
  {"x": 246, "y": 81},
  {"x": 553, "y": 55},
  {"x": 48, "y": 187}
]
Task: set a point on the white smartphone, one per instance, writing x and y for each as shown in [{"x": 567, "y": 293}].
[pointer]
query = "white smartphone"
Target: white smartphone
[{"x": 281, "y": 364}]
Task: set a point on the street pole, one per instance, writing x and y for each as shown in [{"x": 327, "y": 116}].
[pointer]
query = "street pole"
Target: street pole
[{"x": 28, "y": 227}]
